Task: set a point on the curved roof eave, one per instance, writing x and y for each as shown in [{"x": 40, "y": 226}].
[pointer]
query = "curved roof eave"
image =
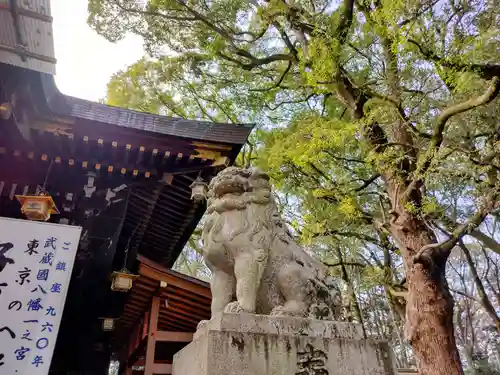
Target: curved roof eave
[{"x": 64, "y": 105}]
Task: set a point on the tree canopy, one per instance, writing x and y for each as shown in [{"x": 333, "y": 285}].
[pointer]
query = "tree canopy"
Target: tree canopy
[{"x": 377, "y": 120}]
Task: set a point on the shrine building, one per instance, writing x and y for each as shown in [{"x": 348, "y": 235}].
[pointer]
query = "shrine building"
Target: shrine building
[{"x": 133, "y": 181}]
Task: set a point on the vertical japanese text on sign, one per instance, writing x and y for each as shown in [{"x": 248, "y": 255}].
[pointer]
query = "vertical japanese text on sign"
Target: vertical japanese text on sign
[{"x": 36, "y": 261}]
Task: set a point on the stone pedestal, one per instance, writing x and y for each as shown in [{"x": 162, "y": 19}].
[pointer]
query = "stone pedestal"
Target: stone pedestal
[{"x": 244, "y": 344}]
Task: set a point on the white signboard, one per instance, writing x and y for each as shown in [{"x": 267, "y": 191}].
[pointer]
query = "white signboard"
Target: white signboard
[{"x": 36, "y": 260}]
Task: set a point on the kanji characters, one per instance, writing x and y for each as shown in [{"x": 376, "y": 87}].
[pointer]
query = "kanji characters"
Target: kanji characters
[
  {"x": 32, "y": 246},
  {"x": 41, "y": 289},
  {"x": 40, "y": 260},
  {"x": 23, "y": 276},
  {"x": 61, "y": 266},
  {"x": 56, "y": 288},
  {"x": 42, "y": 275},
  {"x": 11, "y": 333},
  {"x": 21, "y": 353},
  {"x": 4, "y": 247},
  {"x": 47, "y": 258},
  {"x": 47, "y": 327},
  {"x": 51, "y": 311},
  {"x": 42, "y": 343},
  {"x": 26, "y": 335},
  {"x": 35, "y": 304},
  {"x": 37, "y": 361},
  {"x": 15, "y": 304},
  {"x": 51, "y": 242},
  {"x": 311, "y": 361}
]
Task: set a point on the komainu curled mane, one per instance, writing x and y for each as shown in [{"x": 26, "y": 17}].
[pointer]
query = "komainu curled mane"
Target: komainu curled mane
[{"x": 257, "y": 267}]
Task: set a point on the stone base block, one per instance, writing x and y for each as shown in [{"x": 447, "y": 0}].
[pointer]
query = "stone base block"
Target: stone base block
[{"x": 245, "y": 344}]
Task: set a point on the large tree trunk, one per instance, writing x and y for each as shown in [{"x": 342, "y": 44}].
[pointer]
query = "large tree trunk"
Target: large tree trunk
[{"x": 429, "y": 310}]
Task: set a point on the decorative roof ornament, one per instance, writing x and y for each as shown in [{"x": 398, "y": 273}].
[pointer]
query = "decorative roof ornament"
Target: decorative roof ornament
[{"x": 199, "y": 189}]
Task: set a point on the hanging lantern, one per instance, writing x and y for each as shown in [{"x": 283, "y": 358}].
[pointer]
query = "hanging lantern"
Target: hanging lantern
[
  {"x": 37, "y": 207},
  {"x": 108, "y": 324},
  {"x": 122, "y": 281},
  {"x": 199, "y": 190},
  {"x": 5, "y": 111}
]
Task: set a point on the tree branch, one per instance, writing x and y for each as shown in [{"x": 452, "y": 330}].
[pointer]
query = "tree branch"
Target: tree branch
[
  {"x": 286, "y": 39},
  {"x": 483, "y": 297},
  {"x": 438, "y": 133},
  {"x": 359, "y": 236},
  {"x": 256, "y": 62},
  {"x": 348, "y": 160},
  {"x": 337, "y": 264},
  {"x": 280, "y": 80},
  {"x": 289, "y": 102},
  {"x": 485, "y": 71},
  {"x": 151, "y": 13},
  {"x": 487, "y": 241},
  {"x": 465, "y": 295},
  {"x": 490, "y": 94},
  {"x": 345, "y": 21},
  {"x": 368, "y": 182},
  {"x": 443, "y": 248},
  {"x": 417, "y": 14}
]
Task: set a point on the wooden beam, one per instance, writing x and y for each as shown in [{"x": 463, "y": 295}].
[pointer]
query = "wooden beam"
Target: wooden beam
[
  {"x": 130, "y": 350},
  {"x": 135, "y": 348},
  {"x": 136, "y": 354},
  {"x": 145, "y": 325},
  {"x": 170, "y": 336},
  {"x": 203, "y": 308},
  {"x": 154, "y": 271},
  {"x": 162, "y": 368},
  {"x": 152, "y": 330},
  {"x": 211, "y": 146},
  {"x": 223, "y": 161}
]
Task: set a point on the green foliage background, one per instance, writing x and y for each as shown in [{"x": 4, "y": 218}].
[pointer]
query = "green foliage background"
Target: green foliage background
[{"x": 360, "y": 106}]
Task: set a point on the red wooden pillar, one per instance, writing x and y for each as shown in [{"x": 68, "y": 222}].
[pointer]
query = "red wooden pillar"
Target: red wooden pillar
[
  {"x": 145, "y": 325},
  {"x": 152, "y": 329},
  {"x": 128, "y": 370},
  {"x": 132, "y": 345}
]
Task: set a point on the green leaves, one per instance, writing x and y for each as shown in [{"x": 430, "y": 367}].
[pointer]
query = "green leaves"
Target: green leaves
[{"x": 348, "y": 99}]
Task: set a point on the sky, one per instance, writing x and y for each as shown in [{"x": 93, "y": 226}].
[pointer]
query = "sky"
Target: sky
[{"x": 85, "y": 60}]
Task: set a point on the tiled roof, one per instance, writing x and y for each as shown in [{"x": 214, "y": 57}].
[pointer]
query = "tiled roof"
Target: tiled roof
[{"x": 193, "y": 129}]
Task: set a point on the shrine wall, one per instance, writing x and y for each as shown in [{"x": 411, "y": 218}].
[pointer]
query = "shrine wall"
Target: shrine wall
[{"x": 26, "y": 37}]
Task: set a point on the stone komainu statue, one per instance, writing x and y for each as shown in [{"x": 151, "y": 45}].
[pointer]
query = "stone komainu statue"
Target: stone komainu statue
[{"x": 256, "y": 265}]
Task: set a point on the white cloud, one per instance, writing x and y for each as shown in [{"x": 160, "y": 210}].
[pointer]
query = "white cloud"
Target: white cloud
[{"x": 85, "y": 60}]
